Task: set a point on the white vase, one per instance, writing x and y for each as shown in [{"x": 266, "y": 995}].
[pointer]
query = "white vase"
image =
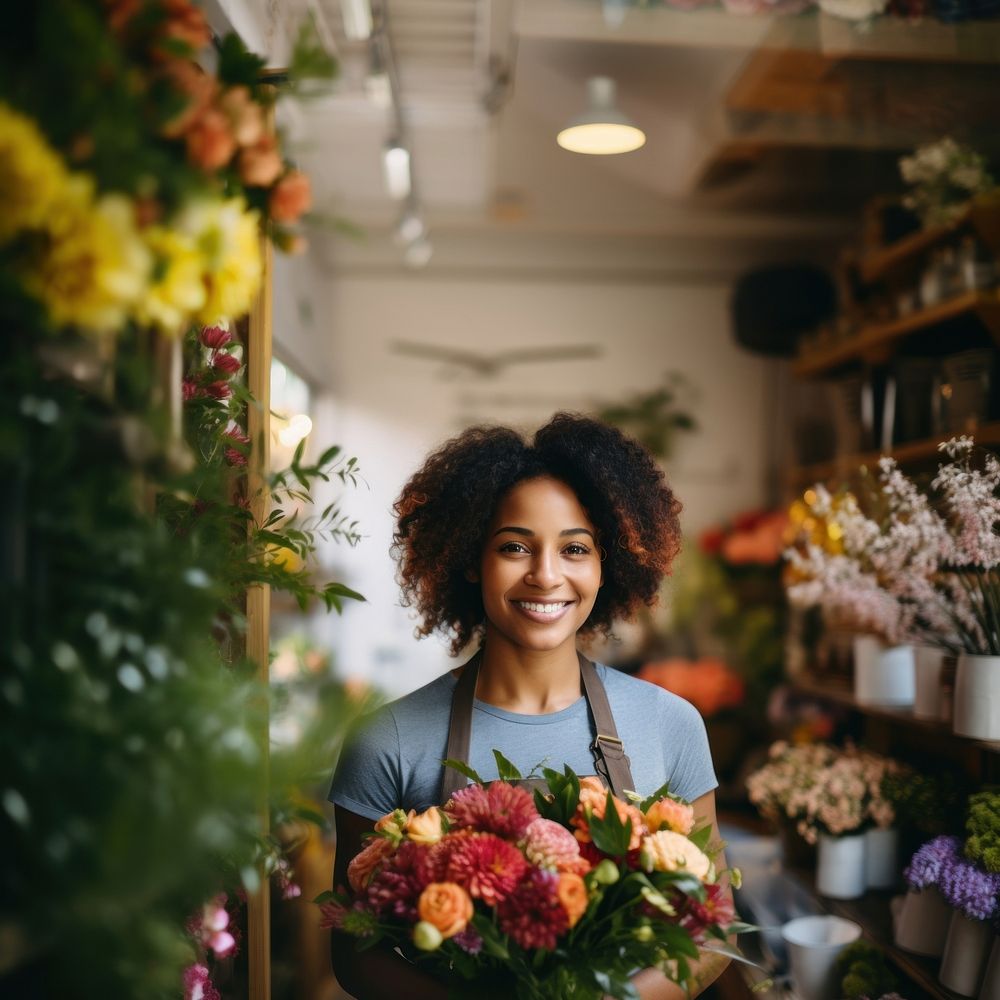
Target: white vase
[
  {"x": 881, "y": 848},
  {"x": 977, "y": 697},
  {"x": 966, "y": 951},
  {"x": 840, "y": 866},
  {"x": 922, "y": 924},
  {"x": 928, "y": 662},
  {"x": 990, "y": 989},
  {"x": 883, "y": 675}
]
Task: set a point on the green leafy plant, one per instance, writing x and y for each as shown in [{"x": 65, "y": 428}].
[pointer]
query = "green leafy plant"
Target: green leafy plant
[
  {"x": 983, "y": 827},
  {"x": 863, "y": 971},
  {"x": 655, "y": 417}
]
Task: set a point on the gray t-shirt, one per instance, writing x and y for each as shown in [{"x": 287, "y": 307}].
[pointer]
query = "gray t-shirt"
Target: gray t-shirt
[{"x": 394, "y": 760}]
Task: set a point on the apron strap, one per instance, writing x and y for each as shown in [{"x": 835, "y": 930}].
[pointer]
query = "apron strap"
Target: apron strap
[{"x": 610, "y": 761}]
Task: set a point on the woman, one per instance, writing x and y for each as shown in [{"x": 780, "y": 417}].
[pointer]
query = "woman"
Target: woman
[{"x": 524, "y": 546}]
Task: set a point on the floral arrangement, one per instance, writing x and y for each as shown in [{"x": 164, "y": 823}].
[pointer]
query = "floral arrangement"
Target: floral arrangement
[
  {"x": 864, "y": 972},
  {"x": 753, "y": 538},
  {"x": 944, "y": 176},
  {"x": 824, "y": 790},
  {"x": 140, "y": 196},
  {"x": 568, "y": 891},
  {"x": 964, "y": 885},
  {"x": 912, "y": 570}
]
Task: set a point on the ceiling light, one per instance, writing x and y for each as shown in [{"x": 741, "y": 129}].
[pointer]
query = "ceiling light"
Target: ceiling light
[
  {"x": 357, "y": 16},
  {"x": 410, "y": 227},
  {"x": 602, "y": 129},
  {"x": 419, "y": 252},
  {"x": 396, "y": 168},
  {"x": 377, "y": 86}
]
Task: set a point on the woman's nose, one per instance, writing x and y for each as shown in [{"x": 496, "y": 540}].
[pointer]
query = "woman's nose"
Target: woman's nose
[{"x": 545, "y": 571}]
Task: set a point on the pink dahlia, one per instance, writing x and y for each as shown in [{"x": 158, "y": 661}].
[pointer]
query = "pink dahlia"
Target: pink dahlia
[
  {"x": 499, "y": 808},
  {"x": 532, "y": 915},
  {"x": 397, "y": 886},
  {"x": 716, "y": 911},
  {"x": 549, "y": 845},
  {"x": 487, "y": 867}
]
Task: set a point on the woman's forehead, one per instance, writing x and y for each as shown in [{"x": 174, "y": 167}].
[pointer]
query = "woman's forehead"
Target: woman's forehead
[{"x": 543, "y": 501}]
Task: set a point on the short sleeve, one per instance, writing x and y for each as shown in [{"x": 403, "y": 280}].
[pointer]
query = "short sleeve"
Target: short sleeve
[
  {"x": 368, "y": 778},
  {"x": 693, "y": 773}
]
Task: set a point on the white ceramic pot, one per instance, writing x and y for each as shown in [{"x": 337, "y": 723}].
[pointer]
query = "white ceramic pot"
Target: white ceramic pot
[
  {"x": 883, "y": 675},
  {"x": 923, "y": 921},
  {"x": 928, "y": 662},
  {"x": 990, "y": 989},
  {"x": 966, "y": 951},
  {"x": 813, "y": 946},
  {"x": 977, "y": 697},
  {"x": 840, "y": 866},
  {"x": 881, "y": 849}
]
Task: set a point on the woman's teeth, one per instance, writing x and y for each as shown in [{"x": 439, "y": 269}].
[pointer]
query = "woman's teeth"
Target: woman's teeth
[{"x": 545, "y": 609}]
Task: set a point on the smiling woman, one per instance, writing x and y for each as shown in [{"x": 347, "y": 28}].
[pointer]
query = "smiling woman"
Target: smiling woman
[{"x": 524, "y": 546}]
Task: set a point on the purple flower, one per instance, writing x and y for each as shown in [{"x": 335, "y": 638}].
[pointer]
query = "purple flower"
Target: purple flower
[
  {"x": 971, "y": 890},
  {"x": 926, "y": 865},
  {"x": 469, "y": 941}
]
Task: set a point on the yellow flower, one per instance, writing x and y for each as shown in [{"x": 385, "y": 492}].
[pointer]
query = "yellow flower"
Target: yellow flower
[
  {"x": 31, "y": 174},
  {"x": 426, "y": 828},
  {"x": 95, "y": 266},
  {"x": 176, "y": 291},
  {"x": 226, "y": 234},
  {"x": 667, "y": 851}
]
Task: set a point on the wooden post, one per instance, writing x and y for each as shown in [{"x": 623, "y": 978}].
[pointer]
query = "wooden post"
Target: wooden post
[{"x": 258, "y": 599}]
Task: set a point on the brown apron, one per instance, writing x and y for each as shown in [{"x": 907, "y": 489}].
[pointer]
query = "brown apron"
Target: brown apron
[{"x": 610, "y": 762}]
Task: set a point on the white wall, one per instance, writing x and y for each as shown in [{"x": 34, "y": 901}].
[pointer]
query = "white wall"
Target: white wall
[{"x": 390, "y": 410}]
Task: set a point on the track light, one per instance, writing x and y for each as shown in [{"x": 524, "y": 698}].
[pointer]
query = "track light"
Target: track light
[
  {"x": 418, "y": 253},
  {"x": 410, "y": 227},
  {"x": 357, "y": 16},
  {"x": 396, "y": 169},
  {"x": 602, "y": 130},
  {"x": 377, "y": 86}
]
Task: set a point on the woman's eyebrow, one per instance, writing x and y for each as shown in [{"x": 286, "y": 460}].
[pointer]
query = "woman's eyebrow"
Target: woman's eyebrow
[{"x": 528, "y": 533}]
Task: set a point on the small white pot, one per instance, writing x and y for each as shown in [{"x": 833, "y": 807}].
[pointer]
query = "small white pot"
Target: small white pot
[
  {"x": 928, "y": 664},
  {"x": 923, "y": 921},
  {"x": 883, "y": 675},
  {"x": 977, "y": 697},
  {"x": 966, "y": 951},
  {"x": 990, "y": 990},
  {"x": 840, "y": 866},
  {"x": 881, "y": 848}
]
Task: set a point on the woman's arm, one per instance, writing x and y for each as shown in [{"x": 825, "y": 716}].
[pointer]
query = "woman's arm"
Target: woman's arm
[
  {"x": 651, "y": 983},
  {"x": 380, "y": 973}
]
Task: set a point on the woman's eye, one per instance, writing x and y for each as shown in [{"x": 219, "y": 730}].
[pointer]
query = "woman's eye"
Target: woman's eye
[
  {"x": 513, "y": 547},
  {"x": 576, "y": 549}
]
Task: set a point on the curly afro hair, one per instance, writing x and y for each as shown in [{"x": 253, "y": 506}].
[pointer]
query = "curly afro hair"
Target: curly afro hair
[{"x": 445, "y": 510}]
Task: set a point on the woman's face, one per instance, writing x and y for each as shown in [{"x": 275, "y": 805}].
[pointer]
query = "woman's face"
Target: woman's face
[{"x": 541, "y": 568}]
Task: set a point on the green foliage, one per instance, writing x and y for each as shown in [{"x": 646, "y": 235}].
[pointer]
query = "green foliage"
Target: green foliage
[
  {"x": 505, "y": 769},
  {"x": 983, "y": 828},
  {"x": 563, "y": 798},
  {"x": 609, "y": 833},
  {"x": 655, "y": 417},
  {"x": 863, "y": 972},
  {"x": 930, "y": 803}
]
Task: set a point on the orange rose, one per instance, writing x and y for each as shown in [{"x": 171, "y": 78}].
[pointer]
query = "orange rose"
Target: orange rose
[
  {"x": 210, "y": 142},
  {"x": 290, "y": 197},
  {"x": 427, "y": 828},
  {"x": 246, "y": 116},
  {"x": 572, "y": 893},
  {"x": 194, "y": 84},
  {"x": 671, "y": 815},
  {"x": 594, "y": 802},
  {"x": 447, "y": 906},
  {"x": 364, "y": 864},
  {"x": 261, "y": 163}
]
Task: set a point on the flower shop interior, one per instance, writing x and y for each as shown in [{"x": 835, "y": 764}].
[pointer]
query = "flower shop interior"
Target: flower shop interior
[{"x": 260, "y": 257}]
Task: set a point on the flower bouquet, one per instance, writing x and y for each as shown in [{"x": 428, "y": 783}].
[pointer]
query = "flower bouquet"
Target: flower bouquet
[
  {"x": 944, "y": 176},
  {"x": 569, "y": 891}
]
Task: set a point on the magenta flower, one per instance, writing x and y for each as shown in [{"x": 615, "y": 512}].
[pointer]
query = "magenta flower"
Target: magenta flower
[
  {"x": 499, "y": 808},
  {"x": 532, "y": 915},
  {"x": 214, "y": 337},
  {"x": 198, "y": 985},
  {"x": 218, "y": 390},
  {"x": 225, "y": 364}
]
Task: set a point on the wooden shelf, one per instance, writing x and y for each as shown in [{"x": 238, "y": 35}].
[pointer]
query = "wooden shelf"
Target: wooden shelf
[
  {"x": 982, "y": 217},
  {"x": 874, "y": 344},
  {"x": 842, "y": 695},
  {"x": 905, "y": 454}
]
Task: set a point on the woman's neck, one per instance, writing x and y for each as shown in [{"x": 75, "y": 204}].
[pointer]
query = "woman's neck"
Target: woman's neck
[{"x": 530, "y": 682}]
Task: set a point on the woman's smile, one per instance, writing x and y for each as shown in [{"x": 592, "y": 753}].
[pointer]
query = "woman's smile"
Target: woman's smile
[{"x": 537, "y": 611}]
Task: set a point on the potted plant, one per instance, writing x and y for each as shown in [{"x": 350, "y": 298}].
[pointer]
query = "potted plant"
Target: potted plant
[
  {"x": 982, "y": 847},
  {"x": 922, "y": 922}
]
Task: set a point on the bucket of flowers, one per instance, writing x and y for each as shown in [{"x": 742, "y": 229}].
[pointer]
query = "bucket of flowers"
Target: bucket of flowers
[{"x": 568, "y": 891}]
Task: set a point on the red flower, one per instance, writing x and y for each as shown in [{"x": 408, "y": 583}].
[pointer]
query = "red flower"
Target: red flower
[
  {"x": 236, "y": 455},
  {"x": 225, "y": 363},
  {"x": 397, "y": 887},
  {"x": 487, "y": 867},
  {"x": 500, "y": 808},
  {"x": 532, "y": 915},
  {"x": 290, "y": 197},
  {"x": 218, "y": 390},
  {"x": 716, "y": 911},
  {"x": 191, "y": 390},
  {"x": 214, "y": 337},
  {"x": 710, "y": 541}
]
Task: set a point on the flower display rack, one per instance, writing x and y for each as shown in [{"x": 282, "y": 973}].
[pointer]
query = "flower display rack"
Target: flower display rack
[{"x": 875, "y": 344}]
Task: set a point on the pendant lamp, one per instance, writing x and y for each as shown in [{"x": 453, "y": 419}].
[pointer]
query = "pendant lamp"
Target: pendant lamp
[{"x": 602, "y": 129}]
